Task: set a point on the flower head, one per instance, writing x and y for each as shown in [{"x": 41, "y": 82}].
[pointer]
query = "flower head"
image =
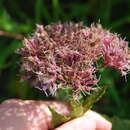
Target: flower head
[{"x": 64, "y": 55}]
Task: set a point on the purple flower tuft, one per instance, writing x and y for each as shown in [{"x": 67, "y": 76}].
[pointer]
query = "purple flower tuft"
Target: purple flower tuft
[{"x": 64, "y": 55}]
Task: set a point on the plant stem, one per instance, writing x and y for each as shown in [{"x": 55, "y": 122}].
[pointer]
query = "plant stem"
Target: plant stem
[{"x": 11, "y": 35}]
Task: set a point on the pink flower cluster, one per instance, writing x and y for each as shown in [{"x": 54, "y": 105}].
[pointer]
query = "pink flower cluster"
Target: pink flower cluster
[{"x": 64, "y": 55}]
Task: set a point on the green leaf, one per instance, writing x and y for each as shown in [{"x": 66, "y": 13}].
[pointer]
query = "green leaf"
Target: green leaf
[
  {"x": 8, "y": 51},
  {"x": 6, "y": 23},
  {"x": 120, "y": 22},
  {"x": 77, "y": 108},
  {"x": 120, "y": 124},
  {"x": 58, "y": 119},
  {"x": 38, "y": 9},
  {"x": 94, "y": 97}
]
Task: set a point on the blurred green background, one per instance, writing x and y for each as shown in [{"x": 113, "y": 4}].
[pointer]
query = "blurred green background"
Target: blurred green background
[{"x": 20, "y": 17}]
